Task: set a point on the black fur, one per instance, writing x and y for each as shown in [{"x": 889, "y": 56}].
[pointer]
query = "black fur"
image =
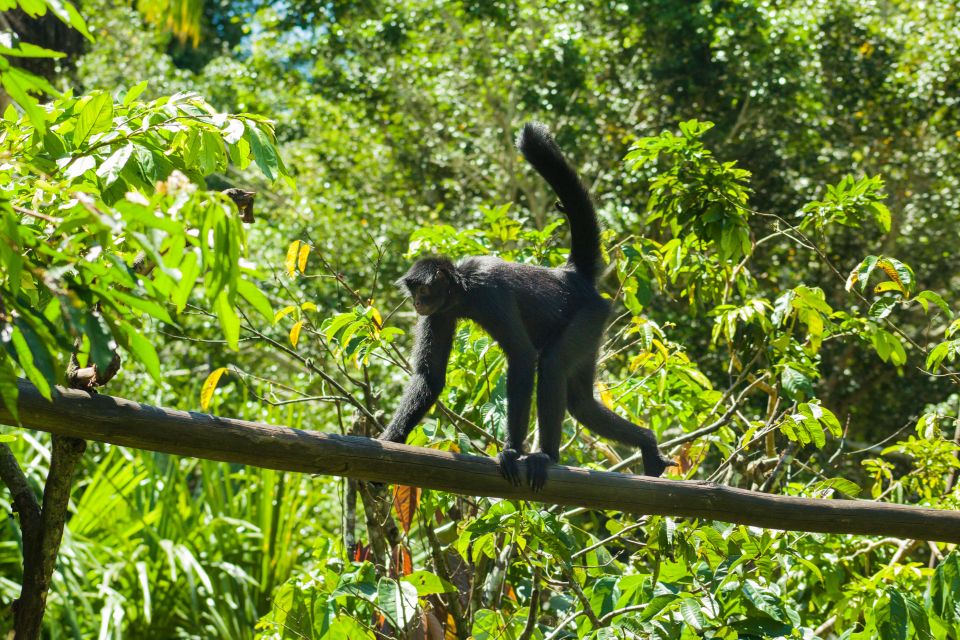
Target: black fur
[{"x": 549, "y": 323}]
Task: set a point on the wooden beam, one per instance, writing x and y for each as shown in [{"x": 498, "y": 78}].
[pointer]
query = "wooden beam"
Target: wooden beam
[{"x": 130, "y": 424}]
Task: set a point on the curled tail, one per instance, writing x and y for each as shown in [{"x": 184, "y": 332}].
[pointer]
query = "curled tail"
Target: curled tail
[{"x": 538, "y": 147}]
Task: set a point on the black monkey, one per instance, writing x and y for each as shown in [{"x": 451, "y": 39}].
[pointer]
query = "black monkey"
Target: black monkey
[{"x": 549, "y": 322}]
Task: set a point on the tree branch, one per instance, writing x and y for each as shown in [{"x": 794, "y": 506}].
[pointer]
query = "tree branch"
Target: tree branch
[{"x": 126, "y": 423}]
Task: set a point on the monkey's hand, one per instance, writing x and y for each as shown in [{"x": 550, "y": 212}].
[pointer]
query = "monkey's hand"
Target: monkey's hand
[
  {"x": 508, "y": 465},
  {"x": 537, "y": 464}
]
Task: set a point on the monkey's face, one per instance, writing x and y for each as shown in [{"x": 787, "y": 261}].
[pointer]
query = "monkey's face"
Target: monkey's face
[
  {"x": 429, "y": 297},
  {"x": 431, "y": 284}
]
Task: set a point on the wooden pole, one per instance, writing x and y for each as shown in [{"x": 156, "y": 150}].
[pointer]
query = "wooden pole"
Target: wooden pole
[{"x": 123, "y": 422}]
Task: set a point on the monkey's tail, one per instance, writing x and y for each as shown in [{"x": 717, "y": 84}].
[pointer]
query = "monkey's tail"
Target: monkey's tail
[{"x": 538, "y": 147}]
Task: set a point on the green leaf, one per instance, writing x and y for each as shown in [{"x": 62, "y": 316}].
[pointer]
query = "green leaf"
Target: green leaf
[
  {"x": 144, "y": 351},
  {"x": 397, "y": 600},
  {"x": 189, "y": 272},
  {"x": 25, "y": 358},
  {"x": 918, "y": 616},
  {"x": 79, "y": 166},
  {"x": 927, "y": 296},
  {"x": 427, "y": 583},
  {"x": 140, "y": 303},
  {"x": 796, "y": 384},
  {"x": 881, "y": 214},
  {"x": 110, "y": 170},
  {"x": 936, "y": 357},
  {"x": 9, "y": 392},
  {"x": 95, "y": 117},
  {"x": 263, "y": 151},
  {"x": 134, "y": 92},
  {"x": 255, "y": 297},
  {"x": 18, "y": 85},
  {"x": 229, "y": 320},
  {"x": 69, "y": 15},
  {"x": 844, "y": 486},
  {"x": 861, "y": 273},
  {"x": 692, "y": 613},
  {"x": 891, "y": 616},
  {"x": 883, "y": 307}
]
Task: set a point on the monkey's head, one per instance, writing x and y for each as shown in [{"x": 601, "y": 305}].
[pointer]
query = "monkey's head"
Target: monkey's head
[
  {"x": 433, "y": 284},
  {"x": 244, "y": 201}
]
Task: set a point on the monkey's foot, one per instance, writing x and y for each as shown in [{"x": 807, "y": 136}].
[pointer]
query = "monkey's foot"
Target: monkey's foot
[
  {"x": 537, "y": 464},
  {"x": 654, "y": 465},
  {"x": 391, "y": 434},
  {"x": 508, "y": 466}
]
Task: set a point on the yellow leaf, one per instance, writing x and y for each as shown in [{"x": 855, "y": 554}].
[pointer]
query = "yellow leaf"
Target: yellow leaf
[
  {"x": 291, "y": 262},
  {"x": 605, "y": 396},
  {"x": 302, "y": 260},
  {"x": 209, "y": 385},
  {"x": 283, "y": 312},
  {"x": 377, "y": 320},
  {"x": 295, "y": 333},
  {"x": 308, "y": 306},
  {"x": 662, "y": 349}
]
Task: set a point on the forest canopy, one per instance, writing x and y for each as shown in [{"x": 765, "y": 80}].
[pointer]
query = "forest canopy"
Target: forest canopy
[{"x": 778, "y": 186}]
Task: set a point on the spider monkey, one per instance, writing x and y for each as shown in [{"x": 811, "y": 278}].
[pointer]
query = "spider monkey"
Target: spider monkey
[{"x": 548, "y": 321}]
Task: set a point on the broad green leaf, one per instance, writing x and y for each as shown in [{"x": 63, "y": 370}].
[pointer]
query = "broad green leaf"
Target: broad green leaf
[
  {"x": 861, "y": 273},
  {"x": 144, "y": 351},
  {"x": 25, "y": 358},
  {"x": 8, "y": 385},
  {"x": 229, "y": 320},
  {"x": 134, "y": 92},
  {"x": 397, "y": 600},
  {"x": 692, "y": 613},
  {"x": 79, "y": 166},
  {"x": 796, "y": 384},
  {"x": 925, "y": 297},
  {"x": 189, "y": 272},
  {"x": 256, "y": 298},
  {"x": 891, "y": 616},
  {"x": 428, "y": 583},
  {"x": 143, "y": 304},
  {"x": 95, "y": 117},
  {"x": 883, "y": 307},
  {"x": 110, "y": 170},
  {"x": 263, "y": 152},
  {"x": 19, "y": 84}
]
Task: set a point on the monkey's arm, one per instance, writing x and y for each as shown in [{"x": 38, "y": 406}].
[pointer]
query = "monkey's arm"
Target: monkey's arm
[{"x": 434, "y": 339}]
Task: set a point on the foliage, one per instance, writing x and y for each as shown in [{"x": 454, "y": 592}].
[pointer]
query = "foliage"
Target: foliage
[
  {"x": 110, "y": 173},
  {"x": 778, "y": 187}
]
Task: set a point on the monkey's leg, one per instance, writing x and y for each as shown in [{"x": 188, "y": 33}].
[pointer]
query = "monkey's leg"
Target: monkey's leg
[
  {"x": 520, "y": 369},
  {"x": 592, "y": 414},
  {"x": 577, "y": 344}
]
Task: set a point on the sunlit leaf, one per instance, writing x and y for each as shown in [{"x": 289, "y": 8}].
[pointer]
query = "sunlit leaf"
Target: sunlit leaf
[
  {"x": 295, "y": 332},
  {"x": 209, "y": 386},
  {"x": 302, "y": 258},
  {"x": 291, "y": 261}
]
